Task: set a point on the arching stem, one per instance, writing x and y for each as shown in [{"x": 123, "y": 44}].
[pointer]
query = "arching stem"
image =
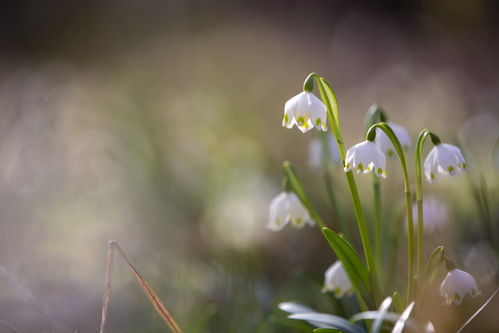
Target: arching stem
[
  {"x": 329, "y": 99},
  {"x": 419, "y": 193},
  {"x": 371, "y": 134}
]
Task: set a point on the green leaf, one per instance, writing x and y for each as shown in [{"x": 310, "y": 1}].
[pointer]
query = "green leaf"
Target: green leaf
[
  {"x": 325, "y": 330},
  {"x": 386, "y": 316},
  {"x": 436, "y": 258},
  {"x": 353, "y": 265},
  {"x": 329, "y": 321},
  {"x": 332, "y": 99},
  {"x": 295, "y": 308},
  {"x": 400, "y": 324},
  {"x": 397, "y": 303},
  {"x": 383, "y": 308},
  {"x": 292, "y": 307}
]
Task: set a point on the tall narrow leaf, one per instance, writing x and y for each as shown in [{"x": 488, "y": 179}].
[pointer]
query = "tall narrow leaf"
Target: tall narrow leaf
[
  {"x": 329, "y": 321},
  {"x": 400, "y": 324},
  {"x": 354, "y": 267},
  {"x": 383, "y": 308}
]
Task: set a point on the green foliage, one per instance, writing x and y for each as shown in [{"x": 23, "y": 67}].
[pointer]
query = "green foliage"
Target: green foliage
[{"x": 355, "y": 268}]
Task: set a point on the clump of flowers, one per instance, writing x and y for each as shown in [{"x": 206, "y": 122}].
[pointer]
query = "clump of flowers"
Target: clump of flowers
[{"x": 361, "y": 274}]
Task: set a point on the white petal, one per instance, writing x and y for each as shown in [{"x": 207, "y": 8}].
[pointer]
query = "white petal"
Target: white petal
[
  {"x": 461, "y": 163},
  {"x": 402, "y": 135},
  {"x": 337, "y": 281},
  {"x": 384, "y": 143},
  {"x": 306, "y": 111},
  {"x": 290, "y": 107},
  {"x": 365, "y": 157},
  {"x": 298, "y": 213},
  {"x": 457, "y": 285},
  {"x": 447, "y": 160},
  {"x": 435, "y": 214},
  {"x": 431, "y": 166},
  {"x": 279, "y": 212}
]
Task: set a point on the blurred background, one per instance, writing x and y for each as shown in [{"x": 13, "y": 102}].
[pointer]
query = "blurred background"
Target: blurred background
[{"x": 158, "y": 124}]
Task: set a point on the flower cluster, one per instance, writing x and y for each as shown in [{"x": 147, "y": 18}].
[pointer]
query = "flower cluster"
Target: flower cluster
[{"x": 384, "y": 139}]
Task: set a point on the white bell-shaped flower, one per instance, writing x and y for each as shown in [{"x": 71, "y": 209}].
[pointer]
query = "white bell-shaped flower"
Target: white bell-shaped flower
[
  {"x": 429, "y": 328},
  {"x": 365, "y": 157},
  {"x": 285, "y": 208},
  {"x": 457, "y": 285},
  {"x": 384, "y": 143},
  {"x": 445, "y": 159},
  {"x": 435, "y": 214},
  {"x": 306, "y": 111},
  {"x": 316, "y": 152},
  {"x": 337, "y": 281}
]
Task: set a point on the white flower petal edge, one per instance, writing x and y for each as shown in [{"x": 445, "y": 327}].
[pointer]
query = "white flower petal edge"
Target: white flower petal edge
[
  {"x": 337, "y": 281},
  {"x": 384, "y": 143},
  {"x": 305, "y": 111},
  {"x": 457, "y": 285},
  {"x": 316, "y": 152},
  {"x": 285, "y": 208},
  {"x": 365, "y": 157},
  {"x": 435, "y": 214},
  {"x": 445, "y": 159}
]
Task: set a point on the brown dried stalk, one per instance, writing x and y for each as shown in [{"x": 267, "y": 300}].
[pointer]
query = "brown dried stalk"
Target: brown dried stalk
[{"x": 155, "y": 300}]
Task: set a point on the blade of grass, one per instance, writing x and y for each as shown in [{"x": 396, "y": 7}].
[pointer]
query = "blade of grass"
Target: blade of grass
[
  {"x": 400, "y": 324},
  {"x": 383, "y": 309},
  {"x": 477, "y": 311},
  {"x": 153, "y": 297}
]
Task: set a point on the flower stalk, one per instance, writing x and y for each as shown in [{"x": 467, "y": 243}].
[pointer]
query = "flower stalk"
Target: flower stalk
[
  {"x": 370, "y": 136},
  {"x": 419, "y": 196},
  {"x": 329, "y": 99},
  {"x": 374, "y": 113},
  {"x": 329, "y": 181},
  {"x": 293, "y": 183}
]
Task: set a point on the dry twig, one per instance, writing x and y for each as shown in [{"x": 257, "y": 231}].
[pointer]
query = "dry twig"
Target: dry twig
[{"x": 153, "y": 297}]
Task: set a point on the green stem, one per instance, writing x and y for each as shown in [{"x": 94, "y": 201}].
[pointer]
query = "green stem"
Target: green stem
[
  {"x": 378, "y": 242},
  {"x": 371, "y": 133},
  {"x": 329, "y": 183},
  {"x": 331, "y": 103},
  {"x": 374, "y": 113},
  {"x": 419, "y": 197},
  {"x": 296, "y": 186}
]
